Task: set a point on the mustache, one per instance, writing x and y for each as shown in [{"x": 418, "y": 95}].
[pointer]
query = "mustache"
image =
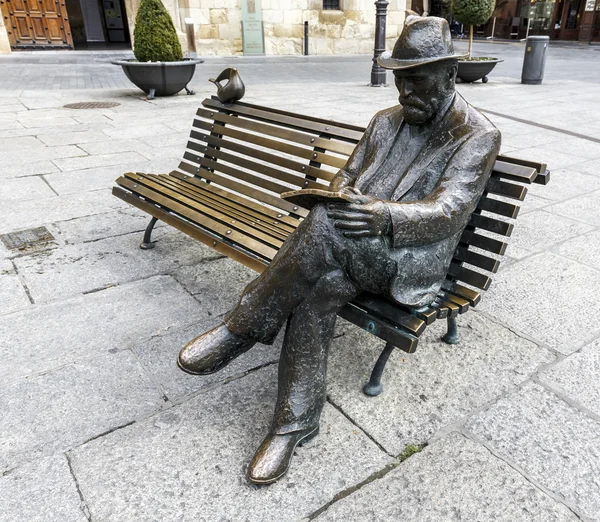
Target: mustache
[{"x": 407, "y": 102}]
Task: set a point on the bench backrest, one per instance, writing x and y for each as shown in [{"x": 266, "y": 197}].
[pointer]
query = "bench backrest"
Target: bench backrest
[{"x": 259, "y": 153}]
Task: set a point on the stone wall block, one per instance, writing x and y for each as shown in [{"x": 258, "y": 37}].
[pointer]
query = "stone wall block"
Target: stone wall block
[
  {"x": 218, "y": 16},
  {"x": 273, "y": 17},
  {"x": 292, "y": 16},
  {"x": 285, "y": 5},
  {"x": 230, "y": 31},
  {"x": 207, "y": 31}
]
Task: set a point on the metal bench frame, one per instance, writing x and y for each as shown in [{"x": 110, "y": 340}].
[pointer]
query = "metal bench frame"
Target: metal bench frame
[{"x": 241, "y": 156}]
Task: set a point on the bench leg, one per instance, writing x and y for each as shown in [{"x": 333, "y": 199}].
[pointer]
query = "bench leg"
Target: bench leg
[
  {"x": 452, "y": 336},
  {"x": 374, "y": 387},
  {"x": 147, "y": 243}
]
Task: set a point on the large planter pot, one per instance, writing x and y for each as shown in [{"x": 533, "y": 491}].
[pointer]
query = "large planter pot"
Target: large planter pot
[
  {"x": 160, "y": 78},
  {"x": 473, "y": 70}
]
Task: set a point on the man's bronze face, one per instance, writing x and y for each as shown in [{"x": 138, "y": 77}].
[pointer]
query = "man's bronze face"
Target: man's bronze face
[{"x": 424, "y": 89}]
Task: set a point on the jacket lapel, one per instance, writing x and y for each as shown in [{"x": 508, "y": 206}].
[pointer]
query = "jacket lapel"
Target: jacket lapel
[{"x": 383, "y": 141}]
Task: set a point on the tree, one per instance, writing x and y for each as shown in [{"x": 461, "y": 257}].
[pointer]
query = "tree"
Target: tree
[
  {"x": 471, "y": 13},
  {"x": 155, "y": 38}
]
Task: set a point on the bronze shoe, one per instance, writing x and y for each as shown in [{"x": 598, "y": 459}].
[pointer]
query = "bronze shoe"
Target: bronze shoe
[
  {"x": 211, "y": 351},
  {"x": 272, "y": 459}
]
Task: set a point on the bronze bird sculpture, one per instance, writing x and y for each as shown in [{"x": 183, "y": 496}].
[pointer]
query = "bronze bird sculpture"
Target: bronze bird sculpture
[{"x": 233, "y": 90}]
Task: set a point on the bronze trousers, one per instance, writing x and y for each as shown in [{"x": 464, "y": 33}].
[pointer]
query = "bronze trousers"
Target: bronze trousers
[{"x": 315, "y": 273}]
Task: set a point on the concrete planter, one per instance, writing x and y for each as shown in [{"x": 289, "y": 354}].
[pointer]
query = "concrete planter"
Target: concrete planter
[
  {"x": 160, "y": 78},
  {"x": 471, "y": 71}
]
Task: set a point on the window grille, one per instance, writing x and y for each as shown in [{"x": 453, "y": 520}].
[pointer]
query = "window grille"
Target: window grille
[{"x": 331, "y": 4}]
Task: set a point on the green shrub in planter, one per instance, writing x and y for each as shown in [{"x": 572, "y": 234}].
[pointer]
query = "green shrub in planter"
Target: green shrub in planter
[
  {"x": 472, "y": 12},
  {"x": 155, "y": 38}
]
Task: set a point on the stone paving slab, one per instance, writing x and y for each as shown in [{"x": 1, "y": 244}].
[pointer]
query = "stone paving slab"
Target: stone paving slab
[
  {"x": 101, "y": 160},
  {"x": 73, "y": 404},
  {"x": 12, "y": 293},
  {"x": 101, "y": 226},
  {"x": 159, "y": 354},
  {"x": 538, "y": 230},
  {"x": 542, "y": 296},
  {"x": 437, "y": 386},
  {"x": 565, "y": 184},
  {"x": 578, "y": 377},
  {"x": 452, "y": 479},
  {"x": 20, "y": 215},
  {"x": 96, "y": 178},
  {"x": 80, "y": 268},
  {"x": 43, "y": 491},
  {"x": 583, "y": 208},
  {"x": 23, "y": 189},
  {"x": 193, "y": 457},
  {"x": 584, "y": 249},
  {"x": 37, "y": 340},
  {"x": 216, "y": 284},
  {"x": 553, "y": 443}
]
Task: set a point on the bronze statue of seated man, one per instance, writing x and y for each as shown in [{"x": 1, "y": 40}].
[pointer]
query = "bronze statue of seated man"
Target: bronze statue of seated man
[{"x": 413, "y": 180}]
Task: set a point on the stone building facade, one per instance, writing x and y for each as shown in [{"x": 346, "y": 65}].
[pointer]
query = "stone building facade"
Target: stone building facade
[
  {"x": 347, "y": 30},
  {"x": 334, "y": 26}
]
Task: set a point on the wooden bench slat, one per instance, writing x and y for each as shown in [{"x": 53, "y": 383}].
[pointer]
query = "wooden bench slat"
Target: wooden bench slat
[
  {"x": 496, "y": 206},
  {"x": 427, "y": 314},
  {"x": 442, "y": 311},
  {"x": 237, "y": 212},
  {"x": 506, "y": 170},
  {"x": 469, "y": 237},
  {"x": 261, "y": 181},
  {"x": 539, "y": 167},
  {"x": 255, "y": 209},
  {"x": 323, "y": 127},
  {"x": 379, "y": 306},
  {"x": 274, "y": 145},
  {"x": 341, "y": 147},
  {"x": 506, "y": 189},
  {"x": 198, "y": 218},
  {"x": 462, "y": 291},
  {"x": 476, "y": 259},
  {"x": 211, "y": 212},
  {"x": 241, "y": 188},
  {"x": 208, "y": 237},
  {"x": 375, "y": 325},
  {"x": 491, "y": 225},
  {"x": 463, "y": 304},
  {"x": 468, "y": 276},
  {"x": 301, "y": 169}
]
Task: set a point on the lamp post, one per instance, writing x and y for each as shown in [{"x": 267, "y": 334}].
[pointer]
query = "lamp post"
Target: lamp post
[{"x": 378, "y": 73}]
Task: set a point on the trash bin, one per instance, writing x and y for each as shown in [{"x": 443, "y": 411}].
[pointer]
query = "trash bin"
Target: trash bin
[{"x": 535, "y": 59}]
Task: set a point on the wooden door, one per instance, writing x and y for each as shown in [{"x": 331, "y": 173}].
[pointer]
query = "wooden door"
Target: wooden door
[
  {"x": 37, "y": 23},
  {"x": 569, "y": 27}
]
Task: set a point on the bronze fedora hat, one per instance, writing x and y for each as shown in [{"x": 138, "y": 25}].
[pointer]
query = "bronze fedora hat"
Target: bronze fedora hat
[{"x": 423, "y": 40}]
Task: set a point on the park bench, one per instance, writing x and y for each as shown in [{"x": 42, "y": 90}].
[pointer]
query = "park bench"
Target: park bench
[{"x": 240, "y": 157}]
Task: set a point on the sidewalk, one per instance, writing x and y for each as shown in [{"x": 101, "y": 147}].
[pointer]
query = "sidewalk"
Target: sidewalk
[{"x": 98, "y": 423}]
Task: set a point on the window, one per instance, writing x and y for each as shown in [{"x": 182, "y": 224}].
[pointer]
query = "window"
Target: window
[{"x": 331, "y": 5}]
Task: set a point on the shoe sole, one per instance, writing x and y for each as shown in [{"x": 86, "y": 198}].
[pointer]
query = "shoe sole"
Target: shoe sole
[{"x": 307, "y": 438}]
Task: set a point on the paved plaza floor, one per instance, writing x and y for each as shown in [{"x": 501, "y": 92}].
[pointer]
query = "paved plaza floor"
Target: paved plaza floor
[{"x": 97, "y": 424}]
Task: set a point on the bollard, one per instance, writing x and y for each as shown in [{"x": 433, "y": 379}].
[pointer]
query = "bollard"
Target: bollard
[
  {"x": 378, "y": 73},
  {"x": 535, "y": 60},
  {"x": 305, "y": 38},
  {"x": 191, "y": 38}
]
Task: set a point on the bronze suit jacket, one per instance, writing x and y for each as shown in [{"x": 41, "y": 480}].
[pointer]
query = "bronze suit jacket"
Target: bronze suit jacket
[{"x": 434, "y": 196}]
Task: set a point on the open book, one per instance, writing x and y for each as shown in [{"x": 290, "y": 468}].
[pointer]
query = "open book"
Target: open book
[{"x": 308, "y": 198}]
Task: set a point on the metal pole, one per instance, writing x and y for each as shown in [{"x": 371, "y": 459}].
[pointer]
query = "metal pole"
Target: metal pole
[
  {"x": 305, "y": 38},
  {"x": 493, "y": 30},
  {"x": 378, "y": 73}
]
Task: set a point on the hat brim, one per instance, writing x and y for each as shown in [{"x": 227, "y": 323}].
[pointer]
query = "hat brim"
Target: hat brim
[{"x": 395, "y": 64}]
